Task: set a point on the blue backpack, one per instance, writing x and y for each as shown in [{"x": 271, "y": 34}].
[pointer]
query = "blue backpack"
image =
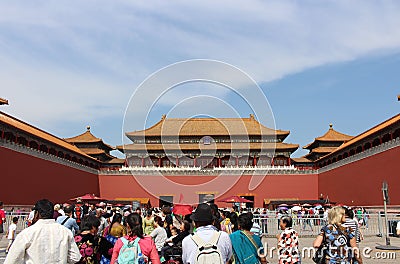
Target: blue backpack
[{"x": 130, "y": 252}]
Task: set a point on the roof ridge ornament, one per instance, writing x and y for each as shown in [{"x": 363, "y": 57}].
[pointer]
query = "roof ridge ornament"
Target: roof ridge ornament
[
  {"x": 88, "y": 128},
  {"x": 330, "y": 126}
]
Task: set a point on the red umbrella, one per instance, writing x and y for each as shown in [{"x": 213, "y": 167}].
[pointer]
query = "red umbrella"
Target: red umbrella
[
  {"x": 235, "y": 199},
  {"x": 182, "y": 209}
]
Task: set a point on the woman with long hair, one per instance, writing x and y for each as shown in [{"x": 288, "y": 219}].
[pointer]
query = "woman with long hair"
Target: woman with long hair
[
  {"x": 133, "y": 224},
  {"x": 112, "y": 232},
  {"x": 340, "y": 241},
  {"x": 148, "y": 222}
]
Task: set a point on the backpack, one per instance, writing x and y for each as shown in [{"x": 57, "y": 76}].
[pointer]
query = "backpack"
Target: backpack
[
  {"x": 129, "y": 251},
  {"x": 207, "y": 252}
]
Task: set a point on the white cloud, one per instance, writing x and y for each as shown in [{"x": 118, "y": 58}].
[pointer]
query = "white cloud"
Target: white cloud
[{"x": 80, "y": 58}]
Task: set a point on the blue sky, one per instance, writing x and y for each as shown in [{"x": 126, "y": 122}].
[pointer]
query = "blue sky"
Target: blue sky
[{"x": 68, "y": 64}]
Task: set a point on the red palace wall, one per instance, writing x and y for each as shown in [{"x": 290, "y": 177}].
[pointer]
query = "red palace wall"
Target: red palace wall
[
  {"x": 360, "y": 182},
  {"x": 26, "y": 179},
  {"x": 300, "y": 186}
]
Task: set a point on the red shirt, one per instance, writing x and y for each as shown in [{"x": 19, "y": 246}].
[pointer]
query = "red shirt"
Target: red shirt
[
  {"x": 2, "y": 216},
  {"x": 147, "y": 247}
]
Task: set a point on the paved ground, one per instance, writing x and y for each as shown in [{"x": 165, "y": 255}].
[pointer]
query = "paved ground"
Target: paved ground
[{"x": 371, "y": 242}]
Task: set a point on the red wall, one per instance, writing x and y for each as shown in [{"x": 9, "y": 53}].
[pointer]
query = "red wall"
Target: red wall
[
  {"x": 360, "y": 182},
  {"x": 26, "y": 179},
  {"x": 303, "y": 186}
]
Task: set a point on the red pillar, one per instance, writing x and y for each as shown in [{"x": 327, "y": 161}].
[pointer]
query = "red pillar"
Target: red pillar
[
  {"x": 272, "y": 161},
  {"x": 254, "y": 161},
  {"x": 237, "y": 161},
  {"x": 2, "y": 134},
  {"x": 142, "y": 162},
  {"x": 194, "y": 162},
  {"x": 391, "y": 135},
  {"x": 159, "y": 162},
  {"x": 177, "y": 161},
  {"x": 288, "y": 160},
  {"x": 219, "y": 162}
]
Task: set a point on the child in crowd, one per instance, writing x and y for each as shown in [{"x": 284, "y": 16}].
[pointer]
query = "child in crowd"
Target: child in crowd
[{"x": 11, "y": 233}]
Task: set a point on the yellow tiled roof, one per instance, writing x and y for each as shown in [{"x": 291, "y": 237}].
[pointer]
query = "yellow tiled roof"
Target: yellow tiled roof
[
  {"x": 212, "y": 146},
  {"x": 301, "y": 159},
  {"x": 87, "y": 137},
  {"x": 330, "y": 135},
  {"x": 367, "y": 133},
  {"x": 18, "y": 124},
  {"x": 207, "y": 127},
  {"x": 3, "y": 101}
]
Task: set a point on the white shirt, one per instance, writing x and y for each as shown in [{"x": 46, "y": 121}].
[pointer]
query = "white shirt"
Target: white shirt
[
  {"x": 189, "y": 248},
  {"x": 45, "y": 242},
  {"x": 160, "y": 236},
  {"x": 11, "y": 228}
]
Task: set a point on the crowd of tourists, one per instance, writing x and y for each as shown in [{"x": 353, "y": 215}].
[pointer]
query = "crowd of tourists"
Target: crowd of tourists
[{"x": 76, "y": 234}]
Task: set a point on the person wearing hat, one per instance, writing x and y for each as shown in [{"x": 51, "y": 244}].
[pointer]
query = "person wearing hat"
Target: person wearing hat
[{"x": 203, "y": 221}]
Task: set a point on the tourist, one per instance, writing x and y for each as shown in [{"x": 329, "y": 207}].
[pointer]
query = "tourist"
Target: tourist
[
  {"x": 116, "y": 229},
  {"x": 78, "y": 211},
  {"x": 234, "y": 220},
  {"x": 168, "y": 219},
  {"x": 264, "y": 220},
  {"x": 57, "y": 211},
  {"x": 246, "y": 245},
  {"x": 352, "y": 223},
  {"x": 67, "y": 220},
  {"x": 148, "y": 222},
  {"x": 45, "y": 242},
  {"x": 173, "y": 245},
  {"x": 103, "y": 221},
  {"x": 398, "y": 228},
  {"x": 112, "y": 232},
  {"x": 226, "y": 224},
  {"x": 337, "y": 239},
  {"x": 365, "y": 218},
  {"x": 306, "y": 219},
  {"x": 134, "y": 231},
  {"x": 216, "y": 215},
  {"x": 255, "y": 229},
  {"x": 288, "y": 242},
  {"x": 159, "y": 234},
  {"x": 205, "y": 231},
  {"x": 31, "y": 215},
  {"x": 92, "y": 246},
  {"x": 2, "y": 219},
  {"x": 11, "y": 233}
]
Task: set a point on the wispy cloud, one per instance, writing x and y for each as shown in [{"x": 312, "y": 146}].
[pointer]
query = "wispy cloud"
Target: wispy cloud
[{"x": 80, "y": 58}]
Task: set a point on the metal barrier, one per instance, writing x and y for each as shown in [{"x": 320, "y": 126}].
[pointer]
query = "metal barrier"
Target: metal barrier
[
  {"x": 374, "y": 225},
  {"x": 22, "y": 221},
  {"x": 306, "y": 227}
]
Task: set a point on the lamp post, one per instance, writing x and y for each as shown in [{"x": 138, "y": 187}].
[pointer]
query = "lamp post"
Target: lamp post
[{"x": 385, "y": 202}]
